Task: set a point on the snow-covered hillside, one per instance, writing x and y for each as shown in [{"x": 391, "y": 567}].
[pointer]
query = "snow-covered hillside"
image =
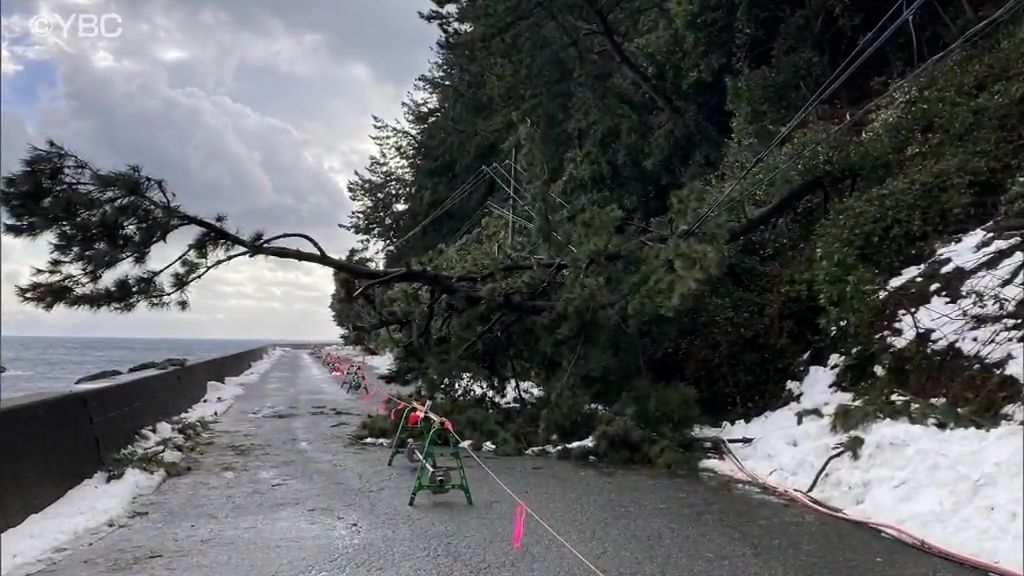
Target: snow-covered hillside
[
  {"x": 959, "y": 487},
  {"x": 976, "y": 318}
]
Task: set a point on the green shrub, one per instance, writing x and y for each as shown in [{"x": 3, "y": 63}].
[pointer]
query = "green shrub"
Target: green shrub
[{"x": 620, "y": 441}]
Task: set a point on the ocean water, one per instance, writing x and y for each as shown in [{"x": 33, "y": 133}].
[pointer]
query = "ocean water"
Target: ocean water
[{"x": 42, "y": 364}]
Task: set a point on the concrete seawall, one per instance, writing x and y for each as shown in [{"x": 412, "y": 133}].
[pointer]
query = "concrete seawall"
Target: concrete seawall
[{"x": 50, "y": 442}]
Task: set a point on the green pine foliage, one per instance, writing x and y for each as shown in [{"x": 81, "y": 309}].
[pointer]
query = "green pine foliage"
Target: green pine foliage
[{"x": 627, "y": 119}]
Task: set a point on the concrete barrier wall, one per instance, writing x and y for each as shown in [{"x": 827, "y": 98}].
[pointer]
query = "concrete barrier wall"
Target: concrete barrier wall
[{"x": 51, "y": 442}]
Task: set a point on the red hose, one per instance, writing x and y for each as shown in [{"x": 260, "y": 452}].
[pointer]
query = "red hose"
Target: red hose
[{"x": 900, "y": 533}]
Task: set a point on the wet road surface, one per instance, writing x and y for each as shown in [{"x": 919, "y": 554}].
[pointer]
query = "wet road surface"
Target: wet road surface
[{"x": 281, "y": 491}]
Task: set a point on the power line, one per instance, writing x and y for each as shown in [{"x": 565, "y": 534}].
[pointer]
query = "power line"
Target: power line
[
  {"x": 475, "y": 180},
  {"x": 465, "y": 227},
  {"x": 1003, "y": 13},
  {"x": 824, "y": 92},
  {"x": 505, "y": 213},
  {"x": 550, "y": 193},
  {"x": 509, "y": 188},
  {"x": 524, "y": 205},
  {"x": 461, "y": 192}
]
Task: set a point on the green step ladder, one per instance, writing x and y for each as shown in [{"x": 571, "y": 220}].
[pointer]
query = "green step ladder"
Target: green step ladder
[
  {"x": 430, "y": 475},
  {"x": 434, "y": 477}
]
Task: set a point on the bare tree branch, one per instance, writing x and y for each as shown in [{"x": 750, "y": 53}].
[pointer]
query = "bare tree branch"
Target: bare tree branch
[
  {"x": 377, "y": 282},
  {"x": 305, "y": 237},
  {"x": 782, "y": 205},
  {"x": 480, "y": 333}
]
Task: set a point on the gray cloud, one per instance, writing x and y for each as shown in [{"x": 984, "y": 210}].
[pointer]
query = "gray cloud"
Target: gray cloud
[
  {"x": 217, "y": 155},
  {"x": 251, "y": 108},
  {"x": 14, "y": 139}
]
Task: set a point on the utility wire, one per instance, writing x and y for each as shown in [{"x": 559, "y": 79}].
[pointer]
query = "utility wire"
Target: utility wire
[
  {"x": 552, "y": 194},
  {"x": 465, "y": 227},
  {"x": 503, "y": 212},
  {"x": 1003, "y": 13},
  {"x": 462, "y": 191},
  {"x": 529, "y": 510},
  {"x": 824, "y": 92},
  {"x": 475, "y": 180},
  {"x": 508, "y": 188}
]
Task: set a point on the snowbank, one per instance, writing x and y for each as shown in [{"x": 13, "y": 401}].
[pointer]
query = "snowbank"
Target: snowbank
[
  {"x": 93, "y": 507},
  {"x": 958, "y": 488},
  {"x": 220, "y": 396},
  {"x": 85, "y": 509}
]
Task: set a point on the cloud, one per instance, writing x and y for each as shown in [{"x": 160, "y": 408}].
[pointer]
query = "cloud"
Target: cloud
[
  {"x": 14, "y": 137},
  {"x": 8, "y": 64},
  {"x": 251, "y": 108}
]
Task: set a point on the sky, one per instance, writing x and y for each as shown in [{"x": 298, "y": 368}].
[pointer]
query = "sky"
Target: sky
[{"x": 260, "y": 109}]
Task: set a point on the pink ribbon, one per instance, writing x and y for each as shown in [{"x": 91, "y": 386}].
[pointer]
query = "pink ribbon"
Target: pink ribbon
[{"x": 517, "y": 526}]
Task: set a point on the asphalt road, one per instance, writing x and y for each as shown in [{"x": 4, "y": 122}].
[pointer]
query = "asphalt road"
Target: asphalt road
[{"x": 282, "y": 492}]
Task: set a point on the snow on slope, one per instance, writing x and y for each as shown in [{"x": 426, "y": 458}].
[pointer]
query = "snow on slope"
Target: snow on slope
[
  {"x": 95, "y": 506},
  {"x": 976, "y": 322},
  {"x": 959, "y": 488},
  {"x": 467, "y": 387}
]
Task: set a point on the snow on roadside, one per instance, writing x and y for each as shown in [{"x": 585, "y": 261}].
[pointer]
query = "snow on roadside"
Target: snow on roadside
[
  {"x": 958, "y": 488},
  {"x": 85, "y": 509},
  {"x": 88, "y": 509},
  {"x": 552, "y": 448},
  {"x": 376, "y": 441},
  {"x": 220, "y": 396},
  {"x": 379, "y": 362},
  {"x": 464, "y": 387}
]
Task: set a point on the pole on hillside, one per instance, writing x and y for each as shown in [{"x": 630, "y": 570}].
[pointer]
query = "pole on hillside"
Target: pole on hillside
[{"x": 511, "y": 195}]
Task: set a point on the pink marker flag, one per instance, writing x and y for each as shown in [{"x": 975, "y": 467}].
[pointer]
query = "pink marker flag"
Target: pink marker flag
[{"x": 517, "y": 526}]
